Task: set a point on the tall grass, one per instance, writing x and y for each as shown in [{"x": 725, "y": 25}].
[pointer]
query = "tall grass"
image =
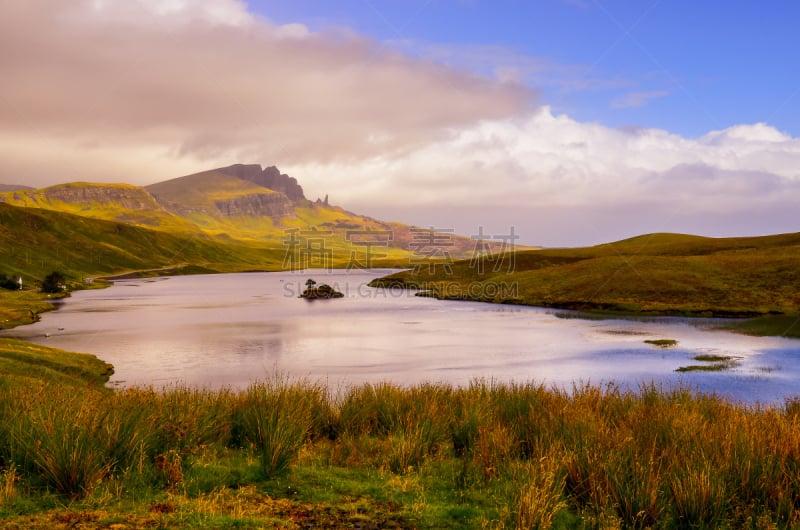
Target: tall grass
[
  {"x": 650, "y": 458},
  {"x": 277, "y": 417},
  {"x": 63, "y": 441}
]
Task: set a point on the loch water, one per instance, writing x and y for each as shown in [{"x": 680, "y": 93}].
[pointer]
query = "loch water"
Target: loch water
[{"x": 229, "y": 330}]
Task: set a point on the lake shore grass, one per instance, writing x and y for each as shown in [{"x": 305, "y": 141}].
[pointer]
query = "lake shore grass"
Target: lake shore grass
[
  {"x": 296, "y": 454},
  {"x": 645, "y": 276}
]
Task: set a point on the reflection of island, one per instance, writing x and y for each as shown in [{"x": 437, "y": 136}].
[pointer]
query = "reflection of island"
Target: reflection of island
[{"x": 313, "y": 292}]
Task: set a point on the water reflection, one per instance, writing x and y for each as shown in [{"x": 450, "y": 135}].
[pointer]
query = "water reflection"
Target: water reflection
[{"x": 229, "y": 330}]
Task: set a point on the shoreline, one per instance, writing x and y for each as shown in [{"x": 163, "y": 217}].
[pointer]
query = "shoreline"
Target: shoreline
[{"x": 753, "y": 323}]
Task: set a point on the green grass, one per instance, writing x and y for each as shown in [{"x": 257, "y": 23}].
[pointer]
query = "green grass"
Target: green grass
[
  {"x": 662, "y": 343},
  {"x": 775, "y": 325},
  {"x": 35, "y": 242},
  {"x": 22, "y": 363},
  {"x": 715, "y": 367},
  {"x": 657, "y": 274},
  {"x": 22, "y": 307},
  {"x": 111, "y": 202},
  {"x": 711, "y": 358},
  {"x": 716, "y": 363},
  {"x": 384, "y": 456}
]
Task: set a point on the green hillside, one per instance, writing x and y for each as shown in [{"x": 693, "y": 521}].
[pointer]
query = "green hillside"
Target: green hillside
[
  {"x": 223, "y": 205},
  {"x": 112, "y": 202},
  {"x": 201, "y": 191},
  {"x": 28, "y": 364},
  {"x": 657, "y": 273},
  {"x": 35, "y": 242}
]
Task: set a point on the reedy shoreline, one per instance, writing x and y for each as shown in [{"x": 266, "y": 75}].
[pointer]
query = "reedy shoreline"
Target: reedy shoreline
[{"x": 430, "y": 455}]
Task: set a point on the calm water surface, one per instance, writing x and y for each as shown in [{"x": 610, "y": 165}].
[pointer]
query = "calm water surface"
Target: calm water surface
[{"x": 232, "y": 329}]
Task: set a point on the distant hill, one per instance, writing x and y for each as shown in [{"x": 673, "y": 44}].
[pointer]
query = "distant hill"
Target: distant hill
[
  {"x": 113, "y": 202},
  {"x": 672, "y": 274},
  {"x": 246, "y": 203},
  {"x": 13, "y": 187},
  {"x": 214, "y": 200},
  {"x": 35, "y": 242}
]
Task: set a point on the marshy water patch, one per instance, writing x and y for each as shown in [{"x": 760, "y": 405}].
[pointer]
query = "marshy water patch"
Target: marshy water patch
[{"x": 662, "y": 343}]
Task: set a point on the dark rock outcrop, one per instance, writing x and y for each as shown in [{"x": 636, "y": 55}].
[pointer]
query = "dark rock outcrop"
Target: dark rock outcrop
[
  {"x": 269, "y": 177},
  {"x": 323, "y": 291}
]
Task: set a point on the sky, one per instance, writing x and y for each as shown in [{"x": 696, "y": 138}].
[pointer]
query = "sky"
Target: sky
[{"x": 573, "y": 121}]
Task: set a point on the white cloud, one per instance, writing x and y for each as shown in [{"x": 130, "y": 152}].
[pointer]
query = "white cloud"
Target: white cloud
[{"x": 552, "y": 161}]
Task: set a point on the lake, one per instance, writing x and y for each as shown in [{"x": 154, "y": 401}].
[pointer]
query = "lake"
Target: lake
[{"x": 232, "y": 329}]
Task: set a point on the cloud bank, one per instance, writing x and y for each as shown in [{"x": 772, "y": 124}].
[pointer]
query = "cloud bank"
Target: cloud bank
[
  {"x": 141, "y": 91},
  {"x": 548, "y": 158},
  {"x": 564, "y": 182},
  {"x": 195, "y": 83}
]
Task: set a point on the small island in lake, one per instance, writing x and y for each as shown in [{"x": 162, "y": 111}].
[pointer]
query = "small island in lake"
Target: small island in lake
[{"x": 313, "y": 292}]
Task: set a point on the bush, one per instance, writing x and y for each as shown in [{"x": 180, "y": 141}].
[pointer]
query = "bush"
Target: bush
[
  {"x": 55, "y": 282},
  {"x": 9, "y": 283}
]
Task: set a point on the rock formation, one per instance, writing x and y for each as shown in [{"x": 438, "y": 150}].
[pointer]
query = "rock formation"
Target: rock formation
[{"x": 269, "y": 177}]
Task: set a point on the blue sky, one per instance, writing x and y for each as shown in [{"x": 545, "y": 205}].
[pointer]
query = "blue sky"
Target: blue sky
[{"x": 685, "y": 66}]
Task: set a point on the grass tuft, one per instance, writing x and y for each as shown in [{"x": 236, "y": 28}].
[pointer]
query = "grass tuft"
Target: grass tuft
[{"x": 662, "y": 343}]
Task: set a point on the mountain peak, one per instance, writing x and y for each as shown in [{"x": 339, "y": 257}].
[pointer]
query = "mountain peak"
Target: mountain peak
[{"x": 269, "y": 177}]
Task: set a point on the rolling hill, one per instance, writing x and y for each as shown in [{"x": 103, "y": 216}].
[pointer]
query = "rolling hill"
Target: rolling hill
[
  {"x": 669, "y": 274},
  {"x": 244, "y": 203},
  {"x": 112, "y": 202},
  {"x": 34, "y": 242}
]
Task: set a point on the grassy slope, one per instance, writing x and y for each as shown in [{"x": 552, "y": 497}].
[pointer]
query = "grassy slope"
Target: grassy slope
[
  {"x": 658, "y": 273},
  {"x": 23, "y": 363},
  {"x": 151, "y": 215},
  {"x": 34, "y": 242},
  {"x": 194, "y": 198},
  {"x": 201, "y": 190}
]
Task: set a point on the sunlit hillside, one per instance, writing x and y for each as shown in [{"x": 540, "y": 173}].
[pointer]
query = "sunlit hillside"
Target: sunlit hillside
[{"x": 654, "y": 273}]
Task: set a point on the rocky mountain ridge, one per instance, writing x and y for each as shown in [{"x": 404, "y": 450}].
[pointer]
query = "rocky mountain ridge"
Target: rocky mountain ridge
[
  {"x": 249, "y": 191},
  {"x": 237, "y": 202},
  {"x": 269, "y": 177},
  {"x": 229, "y": 192}
]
